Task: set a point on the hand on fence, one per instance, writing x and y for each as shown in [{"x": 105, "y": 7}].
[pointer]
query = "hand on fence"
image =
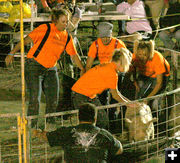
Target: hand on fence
[
  {"x": 9, "y": 59},
  {"x": 39, "y": 134}
]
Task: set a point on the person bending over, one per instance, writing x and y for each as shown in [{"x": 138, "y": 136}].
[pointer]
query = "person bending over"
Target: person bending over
[
  {"x": 100, "y": 78},
  {"x": 151, "y": 69}
]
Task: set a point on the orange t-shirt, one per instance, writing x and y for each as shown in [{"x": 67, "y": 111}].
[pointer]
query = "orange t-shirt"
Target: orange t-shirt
[
  {"x": 105, "y": 52},
  {"x": 96, "y": 80},
  {"x": 52, "y": 48},
  {"x": 153, "y": 67}
]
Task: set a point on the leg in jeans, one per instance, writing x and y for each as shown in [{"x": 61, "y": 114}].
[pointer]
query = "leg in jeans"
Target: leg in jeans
[
  {"x": 33, "y": 79},
  {"x": 51, "y": 90},
  {"x": 177, "y": 37}
]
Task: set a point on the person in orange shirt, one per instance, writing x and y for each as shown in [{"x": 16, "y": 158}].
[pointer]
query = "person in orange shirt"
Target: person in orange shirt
[
  {"x": 152, "y": 68},
  {"x": 49, "y": 42},
  {"x": 104, "y": 46},
  {"x": 103, "y": 49},
  {"x": 100, "y": 78}
]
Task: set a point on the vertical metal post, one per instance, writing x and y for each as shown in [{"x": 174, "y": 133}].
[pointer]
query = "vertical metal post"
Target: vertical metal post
[
  {"x": 175, "y": 67},
  {"x": 0, "y": 152},
  {"x": 19, "y": 139},
  {"x": 24, "y": 122}
]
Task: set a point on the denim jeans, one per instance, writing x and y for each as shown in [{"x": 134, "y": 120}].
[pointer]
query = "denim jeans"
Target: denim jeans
[{"x": 39, "y": 78}]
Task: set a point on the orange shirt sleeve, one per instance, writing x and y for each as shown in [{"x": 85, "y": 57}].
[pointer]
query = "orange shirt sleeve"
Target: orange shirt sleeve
[
  {"x": 159, "y": 63},
  {"x": 70, "y": 48},
  {"x": 133, "y": 56},
  {"x": 38, "y": 33},
  {"x": 120, "y": 44},
  {"x": 92, "y": 50},
  {"x": 44, "y": 3}
]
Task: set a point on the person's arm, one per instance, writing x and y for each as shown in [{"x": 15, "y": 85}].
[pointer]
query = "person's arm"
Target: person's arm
[
  {"x": 121, "y": 8},
  {"x": 45, "y": 5},
  {"x": 76, "y": 59},
  {"x": 134, "y": 72},
  {"x": 10, "y": 57},
  {"x": 115, "y": 147},
  {"x": 89, "y": 62},
  {"x": 157, "y": 86},
  {"x": 73, "y": 23},
  {"x": 118, "y": 96}
]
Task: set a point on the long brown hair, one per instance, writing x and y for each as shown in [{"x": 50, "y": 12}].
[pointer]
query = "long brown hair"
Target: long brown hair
[{"x": 149, "y": 45}]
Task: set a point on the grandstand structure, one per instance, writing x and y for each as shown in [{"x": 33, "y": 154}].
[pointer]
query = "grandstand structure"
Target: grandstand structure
[{"x": 18, "y": 145}]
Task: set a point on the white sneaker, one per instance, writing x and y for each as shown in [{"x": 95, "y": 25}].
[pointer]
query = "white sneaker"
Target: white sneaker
[{"x": 50, "y": 127}]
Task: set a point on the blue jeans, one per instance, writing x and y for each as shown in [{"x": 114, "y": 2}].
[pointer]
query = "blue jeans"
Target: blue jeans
[
  {"x": 39, "y": 78},
  {"x": 167, "y": 38}
]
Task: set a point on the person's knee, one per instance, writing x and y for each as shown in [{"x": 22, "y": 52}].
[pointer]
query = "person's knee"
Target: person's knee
[
  {"x": 163, "y": 35},
  {"x": 177, "y": 35}
]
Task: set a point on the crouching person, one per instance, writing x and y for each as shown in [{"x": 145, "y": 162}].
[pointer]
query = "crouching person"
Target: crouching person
[
  {"x": 151, "y": 69},
  {"x": 84, "y": 142},
  {"x": 100, "y": 78}
]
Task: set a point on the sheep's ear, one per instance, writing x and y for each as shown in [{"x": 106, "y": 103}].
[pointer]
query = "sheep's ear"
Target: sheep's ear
[
  {"x": 136, "y": 43},
  {"x": 153, "y": 120},
  {"x": 128, "y": 121}
]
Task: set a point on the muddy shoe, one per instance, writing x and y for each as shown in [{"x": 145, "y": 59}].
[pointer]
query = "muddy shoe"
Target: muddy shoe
[{"x": 50, "y": 127}]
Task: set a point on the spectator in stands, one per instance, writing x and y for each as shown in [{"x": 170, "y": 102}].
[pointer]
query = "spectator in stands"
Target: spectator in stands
[
  {"x": 49, "y": 4},
  {"x": 100, "y": 78},
  {"x": 167, "y": 35},
  {"x": 84, "y": 142},
  {"x": 139, "y": 25},
  {"x": 70, "y": 5},
  {"x": 151, "y": 68},
  {"x": 49, "y": 42}
]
